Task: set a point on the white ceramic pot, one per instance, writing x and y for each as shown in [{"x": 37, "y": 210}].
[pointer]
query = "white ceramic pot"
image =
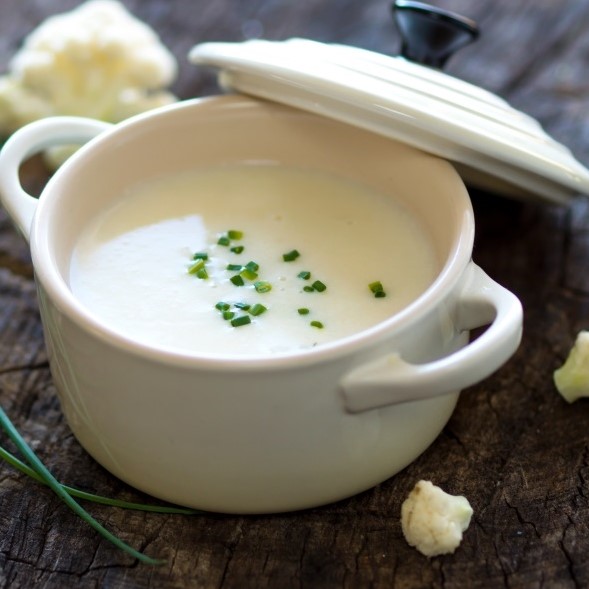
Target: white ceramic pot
[{"x": 269, "y": 434}]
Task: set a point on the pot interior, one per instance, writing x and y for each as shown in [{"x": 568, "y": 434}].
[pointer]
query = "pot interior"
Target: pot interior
[{"x": 205, "y": 133}]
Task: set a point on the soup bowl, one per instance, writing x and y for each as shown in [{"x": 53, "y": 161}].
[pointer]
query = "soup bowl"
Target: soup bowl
[{"x": 274, "y": 433}]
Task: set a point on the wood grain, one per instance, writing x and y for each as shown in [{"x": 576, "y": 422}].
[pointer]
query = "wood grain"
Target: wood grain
[{"x": 513, "y": 447}]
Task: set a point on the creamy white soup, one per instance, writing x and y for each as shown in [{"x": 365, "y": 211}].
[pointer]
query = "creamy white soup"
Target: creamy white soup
[{"x": 320, "y": 259}]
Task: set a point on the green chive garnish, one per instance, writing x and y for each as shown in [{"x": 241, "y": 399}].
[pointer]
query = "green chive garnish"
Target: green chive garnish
[
  {"x": 200, "y": 256},
  {"x": 237, "y": 249},
  {"x": 198, "y": 265},
  {"x": 249, "y": 274},
  {"x": 253, "y": 266},
  {"x": 237, "y": 280},
  {"x": 317, "y": 324},
  {"x": 308, "y": 289},
  {"x": 202, "y": 274},
  {"x": 262, "y": 286},
  {"x": 48, "y": 479},
  {"x": 234, "y": 267},
  {"x": 303, "y": 311},
  {"x": 290, "y": 256},
  {"x": 377, "y": 289},
  {"x": 241, "y": 320},
  {"x": 243, "y": 306},
  {"x": 305, "y": 275},
  {"x": 257, "y": 309},
  {"x": 319, "y": 286},
  {"x": 250, "y": 271},
  {"x": 228, "y": 315},
  {"x": 22, "y": 467},
  {"x": 222, "y": 306},
  {"x": 234, "y": 234},
  {"x": 224, "y": 240}
]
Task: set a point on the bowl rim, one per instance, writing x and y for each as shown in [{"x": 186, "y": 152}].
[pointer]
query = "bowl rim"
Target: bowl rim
[{"x": 49, "y": 278}]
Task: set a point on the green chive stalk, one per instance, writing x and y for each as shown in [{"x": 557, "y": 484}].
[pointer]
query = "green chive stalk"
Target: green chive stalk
[
  {"x": 27, "y": 470},
  {"x": 42, "y": 471}
]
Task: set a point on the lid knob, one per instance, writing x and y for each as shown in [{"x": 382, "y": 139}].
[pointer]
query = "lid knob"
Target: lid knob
[{"x": 430, "y": 35}]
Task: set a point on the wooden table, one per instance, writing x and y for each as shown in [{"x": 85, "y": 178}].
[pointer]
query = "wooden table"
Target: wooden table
[{"x": 513, "y": 447}]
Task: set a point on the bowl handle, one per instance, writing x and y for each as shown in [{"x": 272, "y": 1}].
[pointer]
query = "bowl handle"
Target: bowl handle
[
  {"x": 27, "y": 141},
  {"x": 391, "y": 380}
]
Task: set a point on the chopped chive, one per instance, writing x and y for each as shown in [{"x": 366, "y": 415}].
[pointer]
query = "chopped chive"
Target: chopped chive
[
  {"x": 202, "y": 273},
  {"x": 319, "y": 286},
  {"x": 290, "y": 256},
  {"x": 241, "y": 320},
  {"x": 249, "y": 274},
  {"x": 377, "y": 289},
  {"x": 222, "y": 306},
  {"x": 243, "y": 306},
  {"x": 237, "y": 280},
  {"x": 262, "y": 286},
  {"x": 317, "y": 324},
  {"x": 237, "y": 249},
  {"x": 228, "y": 315},
  {"x": 200, "y": 256},
  {"x": 194, "y": 268},
  {"x": 253, "y": 266},
  {"x": 303, "y": 311},
  {"x": 257, "y": 309},
  {"x": 234, "y": 234},
  {"x": 224, "y": 240},
  {"x": 234, "y": 267},
  {"x": 308, "y": 289},
  {"x": 305, "y": 275}
]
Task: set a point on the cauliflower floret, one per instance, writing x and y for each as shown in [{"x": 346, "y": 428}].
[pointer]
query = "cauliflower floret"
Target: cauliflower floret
[
  {"x": 433, "y": 521},
  {"x": 572, "y": 378},
  {"x": 96, "y": 61}
]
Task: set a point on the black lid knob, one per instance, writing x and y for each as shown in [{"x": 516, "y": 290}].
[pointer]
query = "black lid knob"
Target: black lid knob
[{"x": 430, "y": 35}]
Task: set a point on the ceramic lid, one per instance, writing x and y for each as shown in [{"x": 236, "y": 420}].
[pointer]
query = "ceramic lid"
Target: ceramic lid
[{"x": 493, "y": 146}]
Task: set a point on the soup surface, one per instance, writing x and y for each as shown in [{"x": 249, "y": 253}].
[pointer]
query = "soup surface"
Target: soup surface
[{"x": 134, "y": 267}]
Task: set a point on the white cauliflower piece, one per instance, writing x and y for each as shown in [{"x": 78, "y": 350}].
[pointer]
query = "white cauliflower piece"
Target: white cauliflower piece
[
  {"x": 572, "y": 378},
  {"x": 96, "y": 61},
  {"x": 433, "y": 521}
]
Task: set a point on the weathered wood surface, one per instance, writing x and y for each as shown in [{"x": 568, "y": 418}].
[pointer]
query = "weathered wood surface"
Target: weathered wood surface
[{"x": 513, "y": 447}]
